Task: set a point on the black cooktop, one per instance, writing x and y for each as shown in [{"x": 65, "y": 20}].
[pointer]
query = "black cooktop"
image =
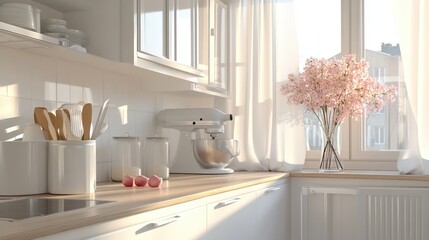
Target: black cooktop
[{"x": 18, "y": 209}]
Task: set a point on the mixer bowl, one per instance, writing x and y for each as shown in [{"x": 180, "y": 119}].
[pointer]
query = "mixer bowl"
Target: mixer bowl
[{"x": 215, "y": 153}]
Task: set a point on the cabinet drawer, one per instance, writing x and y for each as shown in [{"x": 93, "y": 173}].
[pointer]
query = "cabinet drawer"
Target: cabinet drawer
[
  {"x": 169, "y": 227},
  {"x": 232, "y": 218}
]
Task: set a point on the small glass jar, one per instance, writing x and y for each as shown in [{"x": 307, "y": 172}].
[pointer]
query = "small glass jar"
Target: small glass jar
[
  {"x": 155, "y": 160},
  {"x": 126, "y": 158}
]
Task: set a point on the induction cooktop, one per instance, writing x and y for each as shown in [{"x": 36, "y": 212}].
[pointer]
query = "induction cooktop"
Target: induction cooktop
[{"x": 18, "y": 209}]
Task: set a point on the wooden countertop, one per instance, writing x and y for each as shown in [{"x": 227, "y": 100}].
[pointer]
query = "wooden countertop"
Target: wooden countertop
[{"x": 179, "y": 188}]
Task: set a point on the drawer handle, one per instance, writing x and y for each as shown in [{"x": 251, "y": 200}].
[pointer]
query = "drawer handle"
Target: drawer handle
[
  {"x": 154, "y": 225},
  {"x": 166, "y": 221},
  {"x": 227, "y": 202},
  {"x": 272, "y": 189}
]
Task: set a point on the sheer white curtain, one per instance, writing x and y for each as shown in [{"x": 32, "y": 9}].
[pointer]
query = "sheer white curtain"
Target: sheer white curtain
[
  {"x": 413, "y": 21},
  {"x": 263, "y": 52}
]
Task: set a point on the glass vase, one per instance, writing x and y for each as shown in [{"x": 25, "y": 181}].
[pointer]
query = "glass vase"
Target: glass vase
[{"x": 329, "y": 160}]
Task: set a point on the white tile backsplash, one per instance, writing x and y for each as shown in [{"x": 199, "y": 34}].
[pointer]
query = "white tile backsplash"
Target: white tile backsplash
[
  {"x": 92, "y": 85},
  {"x": 29, "y": 80}
]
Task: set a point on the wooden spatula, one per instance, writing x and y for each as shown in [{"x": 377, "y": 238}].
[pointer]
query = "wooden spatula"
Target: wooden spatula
[{"x": 86, "y": 120}]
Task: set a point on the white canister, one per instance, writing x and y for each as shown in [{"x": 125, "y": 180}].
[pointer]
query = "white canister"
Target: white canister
[
  {"x": 155, "y": 161},
  {"x": 72, "y": 167},
  {"x": 23, "y": 168},
  {"x": 125, "y": 158}
]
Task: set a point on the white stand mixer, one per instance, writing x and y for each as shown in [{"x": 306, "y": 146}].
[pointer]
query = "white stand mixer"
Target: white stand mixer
[{"x": 188, "y": 121}]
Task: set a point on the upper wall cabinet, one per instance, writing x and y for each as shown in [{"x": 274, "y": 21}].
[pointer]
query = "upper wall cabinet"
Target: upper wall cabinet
[
  {"x": 167, "y": 33},
  {"x": 191, "y": 35},
  {"x": 177, "y": 39}
]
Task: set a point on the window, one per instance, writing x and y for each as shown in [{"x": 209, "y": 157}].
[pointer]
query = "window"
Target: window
[
  {"x": 367, "y": 29},
  {"x": 383, "y": 52}
]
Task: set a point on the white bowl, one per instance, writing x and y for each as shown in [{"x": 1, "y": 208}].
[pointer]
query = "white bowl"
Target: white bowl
[
  {"x": 56, "y": 21},
  {"x": 215, "y": 153},
  {"x": 55, "y": 28}
]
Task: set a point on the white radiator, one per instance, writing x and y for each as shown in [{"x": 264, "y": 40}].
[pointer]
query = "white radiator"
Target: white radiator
[{"x": 393, "y": 213}]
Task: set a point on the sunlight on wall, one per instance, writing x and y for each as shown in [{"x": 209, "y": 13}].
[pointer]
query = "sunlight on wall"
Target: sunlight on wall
[
  {"x": 50, "y": 91},
  {"x": 8, "y": 108},
  {"x": 123, "y": 111},
  {"x": 87, "y": 93},
  {"x": 12, "y": 129},
  {"x": 8, "y": 116}
]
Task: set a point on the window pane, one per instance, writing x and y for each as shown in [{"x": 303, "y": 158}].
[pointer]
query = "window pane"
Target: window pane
[
  {"x": 318, "y": 28},
  {"x": 319, "y": 36},
  {"x": 386, "y": 129}
]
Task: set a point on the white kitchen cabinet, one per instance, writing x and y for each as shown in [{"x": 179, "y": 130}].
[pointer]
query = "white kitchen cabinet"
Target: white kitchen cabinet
[
  {"x": 213, "y": 52},
  {"x": 166, "y": 33},
  {"x": 262, "y": 214},
  {"x": 166, "y": 223},
  {"x": 272, "y": 213},
  {"x": 192, "y": 33},
  {"x": 232, "y": 218},
  {"x": 139, "y": 33},
  {"x": 251, "y": 213}
]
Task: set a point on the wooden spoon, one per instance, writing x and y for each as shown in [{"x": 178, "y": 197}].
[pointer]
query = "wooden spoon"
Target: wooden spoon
[
  {"x": 43, "y": 119},
  {"x": 66, "y": 111},
  {"x": 86, "y": 120},
  {"x": 51, "y": 128},
  {"x": 54, "y": 123},
  {"x": 62, "y": 131}
]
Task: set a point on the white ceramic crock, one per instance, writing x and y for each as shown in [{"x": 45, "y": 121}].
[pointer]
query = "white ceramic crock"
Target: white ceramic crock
[
  {"x": 23, "y": 168},
  {"x": 72, "y": 167}
]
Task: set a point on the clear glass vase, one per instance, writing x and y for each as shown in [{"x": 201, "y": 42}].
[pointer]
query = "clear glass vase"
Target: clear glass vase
[{"x": 329, "y": 159}]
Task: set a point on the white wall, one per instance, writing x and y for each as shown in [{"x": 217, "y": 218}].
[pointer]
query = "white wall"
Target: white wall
[{"x": 28, "y": 80}]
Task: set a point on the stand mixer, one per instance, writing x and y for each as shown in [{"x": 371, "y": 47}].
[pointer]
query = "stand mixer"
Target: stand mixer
[{"x": 200, "y": 156}]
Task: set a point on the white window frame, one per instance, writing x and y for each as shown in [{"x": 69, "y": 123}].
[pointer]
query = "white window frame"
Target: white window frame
[{"x": 352, "y": 135}]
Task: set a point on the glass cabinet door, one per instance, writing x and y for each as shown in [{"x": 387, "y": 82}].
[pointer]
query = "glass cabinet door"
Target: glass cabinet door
[
  {"x": 220, "y": 77},
  {"x": 185, "y": 32},
  {"x": 190, "y": 35},
  {"x": 153, "y": 27},
  {"x": 203, "y": 39}
]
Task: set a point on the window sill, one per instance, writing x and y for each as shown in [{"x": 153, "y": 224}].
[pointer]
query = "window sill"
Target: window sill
[{"x": 359, "y": 174}]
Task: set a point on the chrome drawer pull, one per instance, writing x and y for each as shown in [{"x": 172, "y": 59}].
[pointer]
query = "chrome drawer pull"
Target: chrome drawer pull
[
  {"x": 154, "y": 225},
  {"x": 272, "y": 189},
  {"x": 227, "y": 202},
  {"x": 166, "y": 221}
]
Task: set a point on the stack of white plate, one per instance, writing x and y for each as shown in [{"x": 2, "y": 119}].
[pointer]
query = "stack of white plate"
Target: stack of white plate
[
  {"x": 55, "y": 25},
  {"x": 18, "y": 14},
  {"x": 58, "y": 28},
  {"x": 76, "y": 37}
]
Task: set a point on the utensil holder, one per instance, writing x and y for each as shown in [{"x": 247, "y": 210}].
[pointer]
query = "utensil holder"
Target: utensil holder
[
  {"x": 23, "y": 168},
  {"x": 72, "y": 167}
]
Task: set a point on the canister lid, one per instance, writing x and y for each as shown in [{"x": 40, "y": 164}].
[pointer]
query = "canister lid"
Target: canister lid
[
  {"x": 127, "y": 138},
  {"x": 157, "y": 138}
]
